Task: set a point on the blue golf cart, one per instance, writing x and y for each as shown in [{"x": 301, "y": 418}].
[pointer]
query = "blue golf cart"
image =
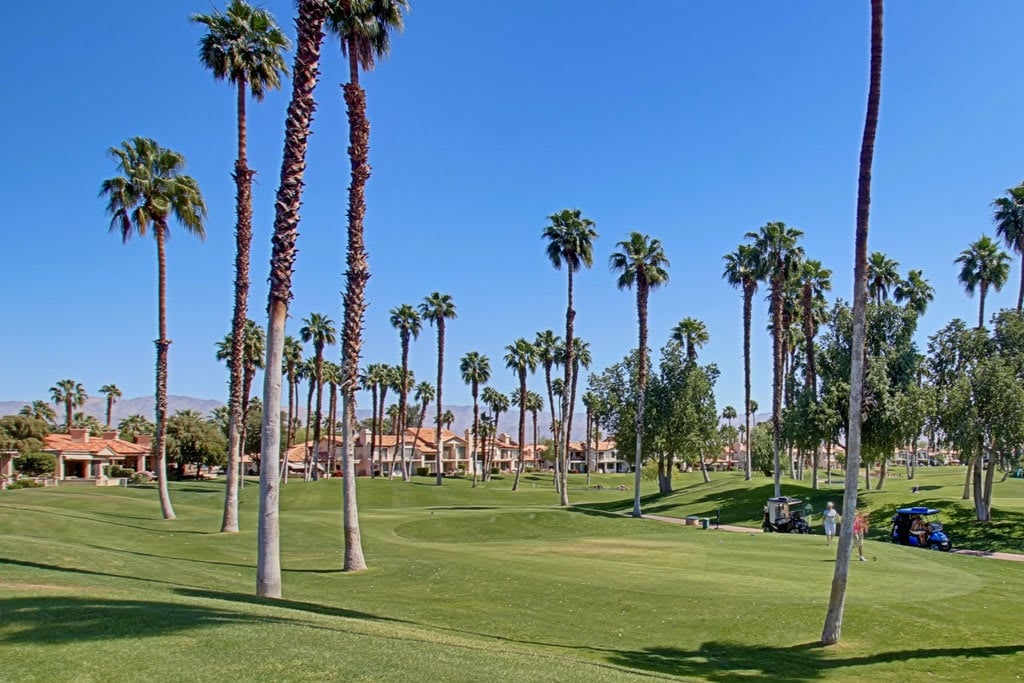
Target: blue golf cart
[{"x": 917, "y": 527}]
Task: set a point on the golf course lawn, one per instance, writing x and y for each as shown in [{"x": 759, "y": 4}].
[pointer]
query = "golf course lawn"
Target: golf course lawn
[{"x": 485, "y": 584}]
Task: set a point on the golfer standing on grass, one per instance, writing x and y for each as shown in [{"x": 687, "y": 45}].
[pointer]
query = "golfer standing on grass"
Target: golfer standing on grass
[
  {"x": 860, "y": 527},
  {"x": 830, "y": 517}
]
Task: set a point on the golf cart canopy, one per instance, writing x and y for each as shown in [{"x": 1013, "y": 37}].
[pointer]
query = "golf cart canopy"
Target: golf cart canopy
[
  {"x": 785, "y": 499},
  {"x": 918, "y": 511}
]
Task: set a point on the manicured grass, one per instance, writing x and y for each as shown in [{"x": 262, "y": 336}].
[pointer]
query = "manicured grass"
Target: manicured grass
[{"x": 484, "y": 584}]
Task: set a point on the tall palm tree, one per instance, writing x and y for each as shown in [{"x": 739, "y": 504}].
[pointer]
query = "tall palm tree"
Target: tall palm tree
[
  {"x": 320, "y": 330},
  {"x": 245, "y": 47},
  {"x": 112, "y": 393},
  {"x": 837, "y": 599},
  {"x": 589, "y": 402},
  {"x": 729, "y": 414},
  {"x": 424, "y": 395},
  {"x": 1008, "y": 215},
  {"x": 475, "y": 369},
  {"x": 983, "y": 265},
  {"x": 308, "y": 373},
  {"x": 741, "y": 270},
  {"x": 332, "y": 377},
  {"x": 778, "y": 255},
  {"x": 915, "y": 292},
  {"x": 692, "y": 334},
  {"x": 498, "y": 403},
  {"x": 291, "y": 359},
  {"x": 39, "y": 410},
  {"x": 407, "y": 321},
  {"x": 370, "y": 380},
  {"x": 815, "y": 280},
  {"x": 883, "y": 276},
  {"x": 521, "y": 357},
  {"x": 253, "y": 348},
  {"x": 438, "y": 308},
  {"x": 535, "y": 404},
  {"x": 364, "y": 30},
  {"x": 641, "y": 264},
  {"x": 391, "y": 378},
  {"x": 150, "y": 189},
  {"x": 570, "y": 242},
  {"x": 549, "y": 353},
  {"x": 305, "y": 69},
  {"x": 71, "y": 395},
  {"x": 448, "y": 419}
]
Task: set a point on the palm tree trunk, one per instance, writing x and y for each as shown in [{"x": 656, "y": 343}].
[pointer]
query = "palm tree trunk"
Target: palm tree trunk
[
  {"x": 535, "y": 437},
  {"x": 748, "y": 296},
  {"x": 555, "y": 430},
  {"x": 440, "y": 376},
  {"x": 243, "y": 241},
  {"x": 315, "y": 474},
  {"x": 310, "y": 34},
  {"x": 110, "y": 407},
  {"x": 354, "y": 560},
  {"x": 566, "y": 428},
  {"x": 162, "y": 344},
  {"x": 981, "y": 304},
  {"x": 586, "y": 445},
  {"x": 777, "y": 372},
  {"x": 402, "y": 406},
  {"x": 641, "y": 385},
  {"x": 69, "y": 407},
  {"x": 247, "y": 377},
  {"x": 837, "y": 599},
  {"x": 373, "y": 424},
  {"x": 475, "y": 388},
  {"x": 522, "y": 426},
  {"x": 419, "y": 426},
  {"x": 291, "y": 412},
  {"x": 309, "y": 422}
]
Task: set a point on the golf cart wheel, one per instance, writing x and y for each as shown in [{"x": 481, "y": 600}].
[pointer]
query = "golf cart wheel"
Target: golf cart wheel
[
  {"x": 766, "y": 529},
  {"x": 935, "y": 546}
]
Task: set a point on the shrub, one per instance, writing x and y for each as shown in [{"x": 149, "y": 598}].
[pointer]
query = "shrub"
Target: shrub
[
  {"x": 116, "y": 472},
  {"x": 36, "y": 464},
  {"x": 422, "y": 472},
  {"x": 495, "y": 470},
  {"x": 25, "y": 484}
]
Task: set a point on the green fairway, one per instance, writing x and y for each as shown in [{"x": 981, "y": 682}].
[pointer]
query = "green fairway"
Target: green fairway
[{"x": 484, "y": 584}]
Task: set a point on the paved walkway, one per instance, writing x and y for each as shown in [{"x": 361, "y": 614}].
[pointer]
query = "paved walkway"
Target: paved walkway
[{"x": 1012, "y": 557}]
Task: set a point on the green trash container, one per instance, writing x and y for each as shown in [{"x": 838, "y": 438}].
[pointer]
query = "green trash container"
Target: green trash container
[{"x": 705, "y": 522}]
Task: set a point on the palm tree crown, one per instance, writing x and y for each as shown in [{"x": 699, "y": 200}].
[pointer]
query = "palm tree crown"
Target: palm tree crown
[
  {"x": 983, "y": 265},
  {"x": 915, "y": 292},
  {"x": 365, "y": 27},
  {"x": 150, "y": 190},
  {"x": 320, "y": 330},
  {"x": 71, "y": 394},
  {"x": 244, "y": 45},
  {"x": 407, "y": 321},
  {"x": 883, "y": 276},
  {"x": 1008, "y": 216},
  {"x": 692, "y": 334},
  {"x": 112, "y": 392}
]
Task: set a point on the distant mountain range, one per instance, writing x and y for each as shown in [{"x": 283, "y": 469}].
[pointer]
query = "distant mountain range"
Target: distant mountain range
[{"x": 144, "y": 405}]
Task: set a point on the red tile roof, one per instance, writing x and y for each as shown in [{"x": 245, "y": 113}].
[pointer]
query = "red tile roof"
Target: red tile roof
[{"x": 64, "y": 443}]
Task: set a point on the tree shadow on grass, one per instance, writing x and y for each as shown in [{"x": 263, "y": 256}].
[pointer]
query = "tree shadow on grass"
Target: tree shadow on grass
[
  {"x": 726, "y": 662},
  {"x": 465, "y": 507},
  {"x": 58, "y": 620},
  {"x": 50, "y": 511},
  {"x": 78, "y": 570},
  {"x": 310, "y": 607}
]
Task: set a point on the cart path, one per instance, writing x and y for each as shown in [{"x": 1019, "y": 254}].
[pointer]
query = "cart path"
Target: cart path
[{"x": 1012, "y": 557}]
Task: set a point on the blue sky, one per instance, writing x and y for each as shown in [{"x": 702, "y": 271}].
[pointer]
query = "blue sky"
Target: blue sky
[{"x": 694, "y": 122}]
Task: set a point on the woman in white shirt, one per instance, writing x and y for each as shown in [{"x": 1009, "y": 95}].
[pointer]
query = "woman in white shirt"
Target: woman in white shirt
[{"x": 830, "y": 518}]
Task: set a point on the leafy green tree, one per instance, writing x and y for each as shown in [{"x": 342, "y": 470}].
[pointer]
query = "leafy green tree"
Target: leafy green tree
[
  {"x": 72, "y": 395},
  {"x": 35, "y": 464},
  {"x": 570, "y": 243},
  {"x": 22, "y": 433},
  {"x": 437, "y": 308},
  {"x": 150, "y": 189},
  {"x": 983, "y": 265},
  {"x": 641, "y": 264},
  {"x": 192, "y": 439},
  {"x": 1008, "y": 216},
  {"x": 83, "y": 421},
  {"x": 475, "y": 369}
]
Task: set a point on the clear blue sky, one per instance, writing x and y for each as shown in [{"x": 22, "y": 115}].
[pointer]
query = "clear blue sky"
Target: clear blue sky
[{"x": 693, "y": 122}]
